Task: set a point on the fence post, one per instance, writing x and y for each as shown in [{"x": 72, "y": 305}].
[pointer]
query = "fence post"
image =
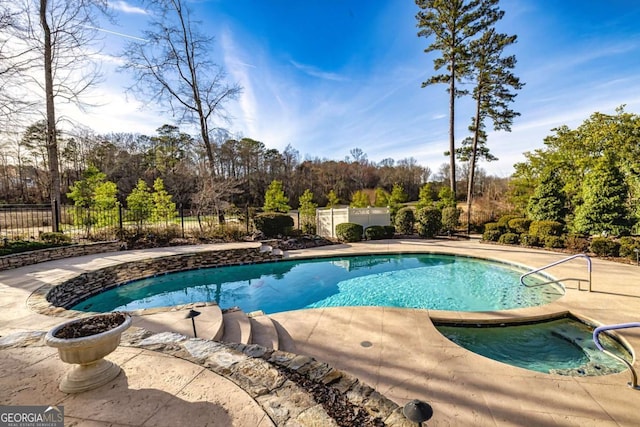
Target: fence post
[
  {"x": 120, "y": 218},
  {"x": 182, "y": 219}
]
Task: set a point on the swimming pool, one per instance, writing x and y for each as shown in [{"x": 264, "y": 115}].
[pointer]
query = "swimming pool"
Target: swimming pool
[
  {"x": 429, "y": 281},
  {"x": 561, "y": 346}
]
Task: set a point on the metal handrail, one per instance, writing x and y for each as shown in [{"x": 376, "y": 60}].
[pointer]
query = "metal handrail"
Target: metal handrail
[
  {"x": 537, "y": 270},
  {"x": 634, "y": 378}
]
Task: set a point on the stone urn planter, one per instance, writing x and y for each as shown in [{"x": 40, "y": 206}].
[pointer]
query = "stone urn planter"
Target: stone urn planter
[{"x": 85, "y": 342}]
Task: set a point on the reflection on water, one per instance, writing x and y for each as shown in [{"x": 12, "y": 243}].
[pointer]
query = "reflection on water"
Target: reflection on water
[{"x": 417, "y": 281}]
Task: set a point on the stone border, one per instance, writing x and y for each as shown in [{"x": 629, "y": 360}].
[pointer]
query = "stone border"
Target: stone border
[
  {"x": 22, "y": 259},
  {"x": 258, "y": 372},
  {"x": 56, "y": 299}
]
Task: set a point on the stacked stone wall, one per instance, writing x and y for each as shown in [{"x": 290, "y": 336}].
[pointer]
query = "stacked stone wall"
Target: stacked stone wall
[
  {"x": 81, "y": 287},
  {"x": 23, "y": 259}
]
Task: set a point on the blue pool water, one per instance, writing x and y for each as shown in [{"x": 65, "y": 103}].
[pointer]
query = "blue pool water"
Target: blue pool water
[
  {"x": 563, "y": 346},
  {"x": 429, "y": 281}
]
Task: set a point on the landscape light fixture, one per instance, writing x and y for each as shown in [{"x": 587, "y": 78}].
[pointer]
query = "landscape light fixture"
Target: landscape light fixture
[
  {"x": 417, "y": 411},
  {"x": 192, "y": 314},
  {"x": 637, "y": 251}
]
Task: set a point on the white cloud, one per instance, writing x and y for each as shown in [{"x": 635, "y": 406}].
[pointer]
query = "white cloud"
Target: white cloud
[
  {"x": 317, "y": 73},
  {"x": 123, "y": 6}
]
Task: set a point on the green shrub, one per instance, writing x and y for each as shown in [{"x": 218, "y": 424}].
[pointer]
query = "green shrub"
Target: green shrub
[
  {"x": 428, "y": 221},
  {"x": 529, "y": 240},
  {"x": 627, "y": 246},
  {"x": 577, "y": 243},
  {"x": 491, "y": 235},
  {"x": 542, "y": 229},
  {"x": 405, "y": 220},
  {"x": 16, "y": 246},
  {"x": 603, "y": 246},
  {"x": 389, "y": 231},
  {"x": 554, "y": 242},
  {"x": 509, "y": 239},
  {"x": 503, "y": 221},
  {"x": 273, "y": 224},
  {"x": 490, "y": 226},
  {"x": 519, "y": 225},
  {"x": 450, "y": 219},
  {"x": 375, "y": 232},
  {"x": 349, "y": 232},
  {"x": 55, "y": 238}
]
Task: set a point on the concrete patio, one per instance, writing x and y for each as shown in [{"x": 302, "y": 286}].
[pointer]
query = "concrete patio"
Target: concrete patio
[{"x": 398, "y": 352}]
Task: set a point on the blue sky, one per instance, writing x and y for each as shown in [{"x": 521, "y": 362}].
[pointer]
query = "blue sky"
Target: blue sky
[{"x": 327, "y": 76}]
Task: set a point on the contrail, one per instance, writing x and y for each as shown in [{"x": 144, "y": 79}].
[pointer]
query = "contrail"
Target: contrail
[{"x": 116, "y": 33}]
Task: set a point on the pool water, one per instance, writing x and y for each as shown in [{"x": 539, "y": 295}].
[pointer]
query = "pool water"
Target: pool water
[
  {"x": 564, "y": 346},
  {"x": 428, "y": 281}
]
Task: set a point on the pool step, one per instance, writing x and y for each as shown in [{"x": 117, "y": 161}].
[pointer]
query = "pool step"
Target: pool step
[
  {"x": 209, "y": 324},
  {"x": 237, "y": 327},
  {"x": 263, "y": 331}
]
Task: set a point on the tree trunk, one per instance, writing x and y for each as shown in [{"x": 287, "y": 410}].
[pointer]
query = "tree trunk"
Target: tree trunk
[
  {"x": 452, "y": 140},
  {"x": 472, "y": 166},
  {"x": 52, "y": 145}
]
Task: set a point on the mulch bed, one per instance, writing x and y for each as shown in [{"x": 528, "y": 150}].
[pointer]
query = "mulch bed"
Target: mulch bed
[
  {"x": 338, "y": 407},
  {"x": 91, "y": 326}
]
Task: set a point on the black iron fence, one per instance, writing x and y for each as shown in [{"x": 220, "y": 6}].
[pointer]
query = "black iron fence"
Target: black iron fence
[{"x": 29, "y": 222}]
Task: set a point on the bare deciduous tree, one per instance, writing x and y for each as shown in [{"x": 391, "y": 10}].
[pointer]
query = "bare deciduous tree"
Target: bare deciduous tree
[
  {"x": 57, "y": 38},
  {"x": 171, "y": 67}
]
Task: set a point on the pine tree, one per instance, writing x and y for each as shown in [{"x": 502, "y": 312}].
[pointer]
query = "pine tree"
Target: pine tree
[
  {"x": 332, "y": 199},
  {"x": 163, "y": 208},
  {"x": 382, "y": 198},
  {"x": 274, "y": 198},
  {"x": 453, "y": 24},
  {"x": 307, "y": 211},
  {"x": 360, "y": 199},
  {"x": 140, "y": 203},
  {"x": 493, "y": 92},
  {"x": 425, "y": 197}
]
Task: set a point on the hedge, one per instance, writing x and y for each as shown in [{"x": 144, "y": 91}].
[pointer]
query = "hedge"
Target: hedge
[
  {"x": 349, "y": 232},
  {"x": 377, "y": 232},
  {"x": 603, "y": 246},
  {"x": 519, "y": 225},
  {"x": 405, "y": 220},
  {"x": 273, "y": 224},
  {"x": 428, "y": 221},
  {"x": 509, "y": 238},
  {"x": 542, "y": 229},
  {"x": 491, "y": 235}
]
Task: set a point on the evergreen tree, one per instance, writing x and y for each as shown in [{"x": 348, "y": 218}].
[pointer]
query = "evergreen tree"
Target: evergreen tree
[
  {"x": 332, "y": 199},
  {"x": 360, "y": 199},
  {"x": 94, "y": 199},
  {"x": 604, "y": 193},
  {"x": 382, "y": 198},
  {"x": 425, "y": 197},
  {"x": 274, "y": 198},
  {"x": 493, "y": 93},
  {"x": 446, "y": 198},
  {"x": 548, "y": 202},
  {"x": 163, "y": 208},
  {"x": 396, "y": 199},
  {"x": 307, "y": 211},
  {"x": 453, "y": 24},
  {"x": 140, "y": 204}
]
